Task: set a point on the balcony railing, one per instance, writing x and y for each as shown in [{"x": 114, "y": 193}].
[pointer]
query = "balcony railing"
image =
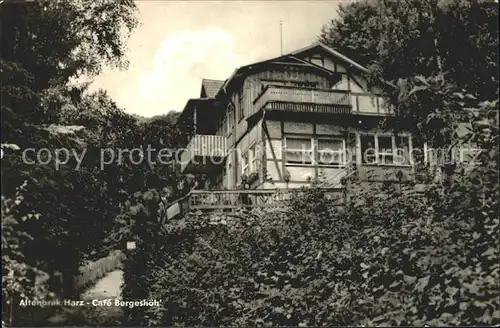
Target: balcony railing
[
  {"x": 204, "y": 146},
  {"x": 227, "y": 200},
  {"x": 254, "y": 198},
  {"x": 368, "y": 104},
  {"x": 299, "y": 99},
  {"x": 208, "y": 145}
]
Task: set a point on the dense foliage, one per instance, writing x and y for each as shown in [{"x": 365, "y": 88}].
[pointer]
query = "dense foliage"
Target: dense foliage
[
  {"x": 56, "y": 217},
  {"x": 433, "y": 47},
  {"x": 398, "y": 40},
  {"x": 388, "y": 257}
]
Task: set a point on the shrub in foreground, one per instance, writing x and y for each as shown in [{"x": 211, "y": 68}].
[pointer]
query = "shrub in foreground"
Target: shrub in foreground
[{"x": 388, "y": 258}]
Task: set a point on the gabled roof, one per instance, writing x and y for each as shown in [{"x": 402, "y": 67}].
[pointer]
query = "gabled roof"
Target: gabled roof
[
  {"x": 331, "y": 51},
  {"x": 209, "y": 88},
  {"x": 315, "y": 45}
]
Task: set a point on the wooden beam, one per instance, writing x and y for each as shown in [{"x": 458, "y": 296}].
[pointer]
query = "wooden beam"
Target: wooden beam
[{"x": 266, "y": 131}]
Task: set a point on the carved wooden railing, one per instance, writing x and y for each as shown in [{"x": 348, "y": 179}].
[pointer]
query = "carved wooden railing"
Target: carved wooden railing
[
  {"x": 255, "y": 198},
  {"x": 204, "y": 146},
  {"x": 301, "y": 99},
  {"x": 207, "y": 145}
]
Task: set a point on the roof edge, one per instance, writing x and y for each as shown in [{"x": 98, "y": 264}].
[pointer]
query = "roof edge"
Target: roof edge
[{"x": 333, "y": 52}]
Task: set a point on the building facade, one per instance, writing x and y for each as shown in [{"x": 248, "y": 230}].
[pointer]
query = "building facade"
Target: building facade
[{"x": 306, "y": 117}]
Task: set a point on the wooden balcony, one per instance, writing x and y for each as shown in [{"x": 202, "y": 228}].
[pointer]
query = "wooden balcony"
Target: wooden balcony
[
  {"x": 297, "y": 99},
  {"x": 203, "y": 153},
  {"x": 254, "y": 198}
]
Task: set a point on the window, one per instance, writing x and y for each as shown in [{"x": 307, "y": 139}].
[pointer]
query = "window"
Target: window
[
  {"x": 385, "y": 149},
  {"x": 331, "y": 152},
  {"x": 252, "y": 158},
  {"x": 298, "y": 150},
  {"x": 229, "y": 172},
  {"x": 224, "y": 126},
  {"x": 230, "y": 118},
  {"x": 368, "y": 149},
  {"x": 402, "y": 154},
  {"x": 257, "y": 157},
  {"x": 244, "y": 164},
  {"x": 241, "y": 112}
]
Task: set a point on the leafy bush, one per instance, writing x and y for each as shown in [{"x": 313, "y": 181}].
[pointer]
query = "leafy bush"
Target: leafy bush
[
  {"x": 19, "y": 277},
  {"x": 390, "y": 256}
]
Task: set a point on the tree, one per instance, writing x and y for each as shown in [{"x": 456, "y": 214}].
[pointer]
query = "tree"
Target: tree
[
  {"x": 414, "y": 45},
  {"x": 389, "y": 256},
  {"x": 49, "y": 42},
  {"x": 355, "y": 33}
]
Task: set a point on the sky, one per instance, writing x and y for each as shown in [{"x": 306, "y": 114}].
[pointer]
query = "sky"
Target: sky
[{"x": 180, "y": 42}]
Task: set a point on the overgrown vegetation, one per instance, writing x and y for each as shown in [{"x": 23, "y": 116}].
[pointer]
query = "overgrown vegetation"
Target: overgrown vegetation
[
  {"x": 55, "y": 219},
  {"x": 389, "y": 256}
]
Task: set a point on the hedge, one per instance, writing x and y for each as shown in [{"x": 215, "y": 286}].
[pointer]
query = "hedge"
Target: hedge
[{"x": 387, "y": 258}]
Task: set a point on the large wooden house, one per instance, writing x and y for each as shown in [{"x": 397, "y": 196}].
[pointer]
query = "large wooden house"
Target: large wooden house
[{"x": 306, "y": 117}]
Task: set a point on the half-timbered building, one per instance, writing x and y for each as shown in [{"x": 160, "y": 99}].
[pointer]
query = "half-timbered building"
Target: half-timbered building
[{"x": 299, "y": 119}]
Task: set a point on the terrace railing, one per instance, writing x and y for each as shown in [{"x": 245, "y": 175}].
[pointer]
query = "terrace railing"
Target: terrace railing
[
  {"x": 254, "y": 198},
  {"x": 204, "y": 146},
  {"x": 300, "y": 99},
  {"x": 207, "y": 145}
]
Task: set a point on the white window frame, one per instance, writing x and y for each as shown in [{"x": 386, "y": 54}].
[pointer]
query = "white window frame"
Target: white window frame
[
  {"x": 244, "y": 163},
  {"x": 230, "y": 119},
  {"x": 241, "y": 107},
  {"x": 343, "y": 154},
  {"x": 379, "y": 154},
  {"x": 375, "y": 146},
  {"x": 252, "y": 158},
  {"x": 395, "y": 147},
  {"x": 310, "y": 151},
  {"x": 229, "y": 172}
]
